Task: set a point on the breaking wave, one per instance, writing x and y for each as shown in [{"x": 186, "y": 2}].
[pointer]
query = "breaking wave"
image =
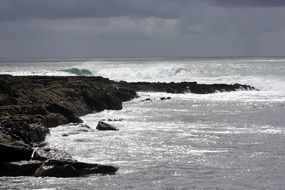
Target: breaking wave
[
  {"x": 78, "y": 72},
  {"x": 150, "y": 74}
]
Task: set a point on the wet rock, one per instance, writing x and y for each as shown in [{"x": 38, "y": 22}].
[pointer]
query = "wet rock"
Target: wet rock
[
  {"x": 165, "y": 98},
  {"x": 87, "y": 168},
  {"x": 102, "y": 126},
  {"x": 54, "y": 168},
  {"x": 43, "y": 154}
]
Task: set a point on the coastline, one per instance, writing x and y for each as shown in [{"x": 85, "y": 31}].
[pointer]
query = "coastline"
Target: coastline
[{"x": 30, "y": 105}]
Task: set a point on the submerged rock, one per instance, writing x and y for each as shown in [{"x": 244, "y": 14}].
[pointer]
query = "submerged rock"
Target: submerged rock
[
  {"x": 165, "y": 98},
  {"x": 102, "y": 126},
  {"x": 55, "y": 168}
]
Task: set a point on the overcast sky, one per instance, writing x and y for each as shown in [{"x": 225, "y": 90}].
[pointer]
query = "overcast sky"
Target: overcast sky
[{"x": 141, "y": 28}]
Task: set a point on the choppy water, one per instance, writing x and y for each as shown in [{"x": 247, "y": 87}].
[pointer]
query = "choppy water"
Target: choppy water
[{"x": 232, "y": 140}]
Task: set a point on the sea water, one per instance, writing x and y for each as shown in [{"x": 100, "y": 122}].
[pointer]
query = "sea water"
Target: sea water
[{"x": 229, "y": 140}]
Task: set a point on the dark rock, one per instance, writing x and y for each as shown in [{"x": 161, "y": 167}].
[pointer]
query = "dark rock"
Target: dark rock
[
  {"x": 14, "y": 152},
  {"x": 7, "y": 88},
  {"x": 146, "y": 100},
  {"x": 54, "y": 168},
  {"x": 87, "y": 169},
  {"x": 52, "y": 120},
  {"x": 21, "y": 168},
  {"x": 186, "y": 87},
  {"x": 66, "y": 112},
  {"x": 20, "y": 130},
  {"x": 165, "y": 98},
  {"x": 102, "y": 126},
  {"x": 120, "y": 119}
]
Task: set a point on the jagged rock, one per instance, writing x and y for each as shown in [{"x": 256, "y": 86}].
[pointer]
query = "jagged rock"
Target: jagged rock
[
  {"x": 66, "y": 112},
  {"x": 20, "y": 130},
  {"x": 102, "y": 126},
  {"x": 49, "y": 153}
]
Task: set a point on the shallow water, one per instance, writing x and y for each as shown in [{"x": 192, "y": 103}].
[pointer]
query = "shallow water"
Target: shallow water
[{"x": 231, "y": 140}]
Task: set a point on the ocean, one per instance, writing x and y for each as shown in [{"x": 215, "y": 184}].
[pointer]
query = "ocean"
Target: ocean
[{"x": 228, "y": 140}]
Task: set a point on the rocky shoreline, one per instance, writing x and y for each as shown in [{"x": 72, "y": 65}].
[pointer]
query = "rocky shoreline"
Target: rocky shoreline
[{"x": 30, "y": 105}]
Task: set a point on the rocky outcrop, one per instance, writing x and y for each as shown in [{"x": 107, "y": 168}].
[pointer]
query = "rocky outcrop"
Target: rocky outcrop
[
  {"x": 30, "y": 105},
  {"x": 185, "y": 87}
]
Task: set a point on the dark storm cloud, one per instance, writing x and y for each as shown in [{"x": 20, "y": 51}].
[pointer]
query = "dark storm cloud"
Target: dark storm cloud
[
  {"x": 61, "y": 9},
  {"x": 248, "y": 3},
  {"x": 141, "y": 28}
]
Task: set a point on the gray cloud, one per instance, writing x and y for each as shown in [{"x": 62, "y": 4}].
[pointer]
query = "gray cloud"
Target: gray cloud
[
  {"x": 141, "y": 28},
  {"x": 65, "y": 9},
  {"x": 248, "y": 3},
  {"x": 62, "y": 9}
]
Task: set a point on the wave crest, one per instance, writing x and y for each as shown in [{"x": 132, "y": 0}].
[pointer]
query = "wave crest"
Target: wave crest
[
  {"x": 78, "y": 72},
  {"x": 161, "y": 73}
]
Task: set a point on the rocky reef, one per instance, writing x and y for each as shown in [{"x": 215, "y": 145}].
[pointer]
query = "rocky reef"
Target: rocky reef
[{"x": 30, "y": 105}]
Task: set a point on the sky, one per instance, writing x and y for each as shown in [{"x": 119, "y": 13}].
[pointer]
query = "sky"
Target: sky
[{"x": 141, "y": 28}]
